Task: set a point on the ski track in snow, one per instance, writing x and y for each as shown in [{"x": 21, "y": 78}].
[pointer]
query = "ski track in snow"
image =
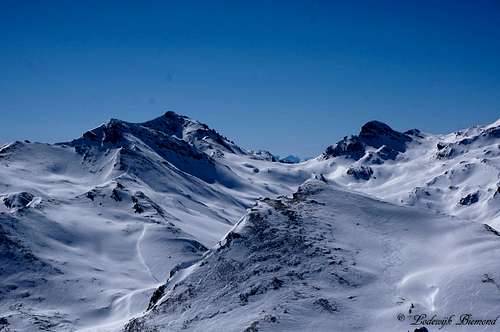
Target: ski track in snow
[{"x": 139, "y": 253}]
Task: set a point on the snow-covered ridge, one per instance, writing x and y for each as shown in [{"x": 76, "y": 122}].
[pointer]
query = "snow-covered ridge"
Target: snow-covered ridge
[
  {"x": 330, "y": 260},
  {"x": 107, "y": 218},
  {"x": 456, "y": 174}
]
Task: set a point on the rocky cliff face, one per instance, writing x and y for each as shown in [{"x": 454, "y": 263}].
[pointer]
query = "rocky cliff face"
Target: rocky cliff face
[{"x": 373, "y": 134}]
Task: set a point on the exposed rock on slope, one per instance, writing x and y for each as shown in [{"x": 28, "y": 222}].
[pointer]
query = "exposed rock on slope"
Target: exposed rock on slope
[
  {"x": 146, "y": 141},
  {"x": 436, "y": 172},
  {"x": 194, "y": 132},
  {"x": 323, "y": 260},
  {"x": 360, "y": 173},
  {"x": 373, "y": 134},
  {"x": 18, "y": 200},
  {"x": 377, "y": 134},
  {"x": 122, "y": 206}
]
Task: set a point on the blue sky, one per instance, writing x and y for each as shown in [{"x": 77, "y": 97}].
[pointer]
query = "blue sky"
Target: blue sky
[{"x": 288, "y": 76}]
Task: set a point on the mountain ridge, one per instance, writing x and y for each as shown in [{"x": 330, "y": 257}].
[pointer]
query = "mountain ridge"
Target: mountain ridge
[
  {"x": 289, "y": 266},
  {"x": 109, "y": 217}
]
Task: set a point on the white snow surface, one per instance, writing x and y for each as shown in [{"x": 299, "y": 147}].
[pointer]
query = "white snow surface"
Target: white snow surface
[
  {"x": 91, "y": 229},
  {"x": 425, "y": 176},
  {"x": 333, "y": 260}
]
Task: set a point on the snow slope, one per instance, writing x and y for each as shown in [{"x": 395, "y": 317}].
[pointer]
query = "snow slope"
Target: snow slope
[
  {"x": 90, "y": 229},
  {"x": 328, "y": 259},
  {"x": 106, "y": 217},
  {"x": 456, "y": 174}
]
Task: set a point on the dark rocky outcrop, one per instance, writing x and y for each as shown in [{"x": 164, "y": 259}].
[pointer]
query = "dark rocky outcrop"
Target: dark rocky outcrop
[
  {"x": 18, "y": 200},
  {"x": 386, "y": 153},
  {"x": 470, "y": 199},
  {"x": 376, "y": 134},
  {"x": 373, "y": 134},
  {"x": 350, "y": 147},
  {"x": 157, "y": 295},
  {"x": 382, "y": 154},
  {"x": 445, "y": 151},
  {"x": 414, "y": 132},
  {"x": 360, "y": 172}
]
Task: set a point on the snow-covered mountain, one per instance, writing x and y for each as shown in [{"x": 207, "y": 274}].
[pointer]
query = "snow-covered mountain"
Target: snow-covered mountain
[
  {"x": 456, "y": 174},
  {"x": 92, "y": 229},
  {"x": 328, "y": 259}
]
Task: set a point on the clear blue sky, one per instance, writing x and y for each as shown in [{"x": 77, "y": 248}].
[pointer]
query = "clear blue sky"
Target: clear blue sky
[{"x": 291, "y": 77}]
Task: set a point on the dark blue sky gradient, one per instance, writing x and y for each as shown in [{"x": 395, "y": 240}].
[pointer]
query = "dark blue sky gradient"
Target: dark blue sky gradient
[{"x": 291, "y": 77}]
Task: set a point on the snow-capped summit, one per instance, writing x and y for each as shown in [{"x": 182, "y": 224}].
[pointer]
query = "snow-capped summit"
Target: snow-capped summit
[
  {"x": 194, "y": 132},
  {"x": 171, "y": 140},
  {"x": 170, "y": 126},
  {"x": 125, "y": 222}
]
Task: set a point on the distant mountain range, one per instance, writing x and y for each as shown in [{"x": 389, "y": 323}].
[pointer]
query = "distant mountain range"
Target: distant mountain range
[{"x": 168, "y": 225}]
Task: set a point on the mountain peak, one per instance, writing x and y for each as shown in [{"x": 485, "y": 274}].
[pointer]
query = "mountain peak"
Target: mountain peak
[
  {"x": 169, "y": 123},
  {"x": 373, "y": 134},
  {"x": 174, "y": 115},
  {"x": 375, "y": 126},
  {"x": 376, "y": 134},
  {"x": 169, "y": 126}
]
